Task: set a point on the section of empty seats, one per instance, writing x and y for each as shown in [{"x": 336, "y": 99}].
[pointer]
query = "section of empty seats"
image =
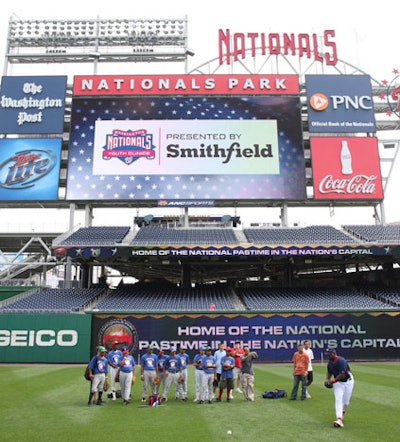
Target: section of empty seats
[
  {"x": 385, "y": 294},
  {"x": 105, "y": 235},
  {"x": 298, "y": 235},
  {"x": 379, "y": 234},
  {"x": 142, "y": 297},
  {"x": 158, "y": 235},
  {"x": 55, "y": 300},
  {"x": 308, "y": 299}
]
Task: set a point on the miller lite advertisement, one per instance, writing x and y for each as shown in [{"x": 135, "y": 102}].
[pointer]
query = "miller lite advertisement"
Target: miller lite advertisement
[
  {"x": 29, "y": 168},
  {"x": 346, "y": 168}
]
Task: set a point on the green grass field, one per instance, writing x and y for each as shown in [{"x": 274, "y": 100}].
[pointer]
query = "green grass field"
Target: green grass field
[{"x": 48, "y": 403}]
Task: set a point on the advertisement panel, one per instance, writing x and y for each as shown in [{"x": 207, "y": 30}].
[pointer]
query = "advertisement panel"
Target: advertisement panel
[
  {"x": 233, "y": 84},
  {"x": 186, "y": 148},
  {"x": 175, "y": 147},
  {"x": 32, "y": 105},
  {"x": 358, "y": 336},
  {"x": 340, "y": 103},
  {"x": 29, "y": 168},
  {"x": 171, "y": 252},
  {"x": 346, "y": 168},
  {"x": 45, "y": 338}
]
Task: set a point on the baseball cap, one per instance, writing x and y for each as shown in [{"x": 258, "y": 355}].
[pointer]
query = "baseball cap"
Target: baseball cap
[
  {"x": 172, "y": 349},
  {"x": 228, "y": 349},
  {"x": 125, "y": 348},
  {"x": 115, "y": 342},
  {"x": 202, "y": 347},
  {"x": 208, "y": 348},
  {"x": 101, "y": 349},
  {"x": 161, "y": 352},
  {"x": 330, "y": 350}
]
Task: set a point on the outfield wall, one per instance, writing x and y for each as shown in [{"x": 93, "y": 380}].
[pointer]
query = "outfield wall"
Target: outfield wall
[
  {"x": 45, "y": 338},
  {"x": 72, "y": 338},
  {"x": 359, "y": 336}
]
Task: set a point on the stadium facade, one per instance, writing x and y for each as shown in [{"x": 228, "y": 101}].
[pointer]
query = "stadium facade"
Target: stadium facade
[{"x": 245, "y": 129}]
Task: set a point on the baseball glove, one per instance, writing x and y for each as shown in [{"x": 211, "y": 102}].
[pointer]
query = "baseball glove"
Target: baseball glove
[
  {"x": 156, "y": 381},
  {"x": 328, "y": 384},
  {"x": 105, "y": 387},
  {"x": 181, "y": 379}
]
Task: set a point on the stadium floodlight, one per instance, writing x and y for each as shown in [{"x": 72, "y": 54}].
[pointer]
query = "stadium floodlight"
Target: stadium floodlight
[{"x": 35, "y": 41}]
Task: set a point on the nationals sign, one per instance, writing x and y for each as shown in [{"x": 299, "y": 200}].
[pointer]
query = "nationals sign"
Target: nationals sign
[
  {"x": 346, "y": 168},
  {"x": 186, "y": 84}
]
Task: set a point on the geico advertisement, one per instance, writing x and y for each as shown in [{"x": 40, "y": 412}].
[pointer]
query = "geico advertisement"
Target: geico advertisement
[
  {"x": 186, "y": 147},
  {"x": 274, "y": 337},
  {"x": 44, "y": 338}
]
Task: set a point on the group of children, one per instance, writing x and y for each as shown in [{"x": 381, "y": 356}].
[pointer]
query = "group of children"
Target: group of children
[{"x": 214, "y": 373}]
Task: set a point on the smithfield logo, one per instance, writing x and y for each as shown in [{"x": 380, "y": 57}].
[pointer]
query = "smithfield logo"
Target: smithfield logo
[
  {"x": 319, "y": 102},
  {"x": 23, "y": 169},
  {"x": 128, "y": 146}
]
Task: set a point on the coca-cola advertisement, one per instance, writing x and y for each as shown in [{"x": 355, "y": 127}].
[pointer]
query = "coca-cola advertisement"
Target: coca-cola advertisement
[{"x": 346, "y": 168}]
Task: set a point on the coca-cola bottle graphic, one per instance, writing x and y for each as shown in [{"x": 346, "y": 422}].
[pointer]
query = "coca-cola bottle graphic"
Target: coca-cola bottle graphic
[{"x": 345, "y": 159}]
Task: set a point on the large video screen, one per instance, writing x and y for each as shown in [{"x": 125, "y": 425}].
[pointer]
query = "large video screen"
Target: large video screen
[{"x": 186, "y": 147}]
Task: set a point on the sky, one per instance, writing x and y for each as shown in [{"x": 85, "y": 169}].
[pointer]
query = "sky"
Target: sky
[{"x": 366, "y": 36}]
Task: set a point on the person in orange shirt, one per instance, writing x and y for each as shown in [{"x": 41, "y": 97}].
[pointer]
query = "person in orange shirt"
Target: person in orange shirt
[{"x": 300, "y": 365}]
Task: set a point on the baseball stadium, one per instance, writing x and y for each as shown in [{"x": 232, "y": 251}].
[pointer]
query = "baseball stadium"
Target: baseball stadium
[{"x": 171, "y": 147}]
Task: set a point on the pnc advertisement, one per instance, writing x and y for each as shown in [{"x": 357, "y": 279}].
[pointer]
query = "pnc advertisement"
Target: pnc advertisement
[
  {"x": 346, "y": 168},
  {"x": 340, "y": 103},
  {"x": 29, "y": 168}
]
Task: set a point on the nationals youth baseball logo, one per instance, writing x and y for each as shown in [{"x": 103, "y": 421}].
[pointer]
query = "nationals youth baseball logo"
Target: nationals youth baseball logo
[{"x": 128, "y": 146}]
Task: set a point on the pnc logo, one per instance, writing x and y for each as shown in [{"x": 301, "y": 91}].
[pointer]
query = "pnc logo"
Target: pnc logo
[{"x": 319, "y": 102}]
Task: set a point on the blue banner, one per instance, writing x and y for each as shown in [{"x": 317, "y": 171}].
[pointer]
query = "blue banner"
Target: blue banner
[
  {"x": 357, "y": 336},
  {"x": 340, "y": 103},
  {"x": 32, "y": 105}
]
